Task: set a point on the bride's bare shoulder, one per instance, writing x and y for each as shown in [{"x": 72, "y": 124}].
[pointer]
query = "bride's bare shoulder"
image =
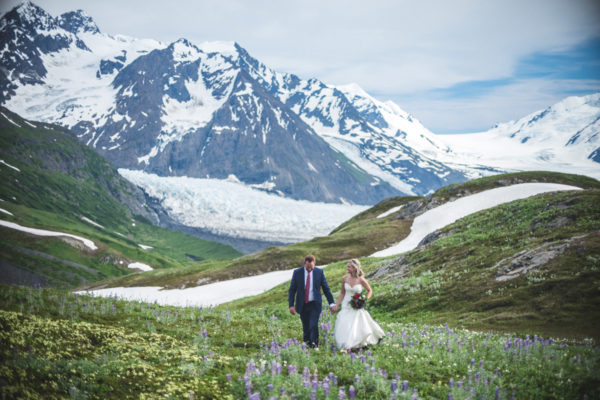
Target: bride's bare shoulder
[{"x": 345, "y": 278}]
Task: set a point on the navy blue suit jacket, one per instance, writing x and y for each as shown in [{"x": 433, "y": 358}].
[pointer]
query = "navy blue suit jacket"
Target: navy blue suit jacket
[{"x": 296, "y": 291}]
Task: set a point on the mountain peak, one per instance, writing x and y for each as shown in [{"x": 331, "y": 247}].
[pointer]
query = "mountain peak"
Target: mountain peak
[
  {"x": 224, "y": 47},
  {"x": 29, "y": 15},
  {"x": 353, "y": 90},
  {"x": 184, "y": 50},
  {"x": 77, "y": 22}
]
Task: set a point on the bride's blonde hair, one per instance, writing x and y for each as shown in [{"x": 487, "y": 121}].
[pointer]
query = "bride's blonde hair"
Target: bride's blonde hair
[{"x": 356, "y": 264}]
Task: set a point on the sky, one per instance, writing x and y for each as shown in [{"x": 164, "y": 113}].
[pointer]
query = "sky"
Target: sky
[{"x": 458, "y": 66}]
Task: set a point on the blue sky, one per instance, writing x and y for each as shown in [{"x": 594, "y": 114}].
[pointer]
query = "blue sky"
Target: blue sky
[
  {"x": 540, "y": 78},
  {"x": 457, "y": 66}
]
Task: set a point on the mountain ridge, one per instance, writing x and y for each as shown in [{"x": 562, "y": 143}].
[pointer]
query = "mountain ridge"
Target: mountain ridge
[{"x": 317, "y": 105}]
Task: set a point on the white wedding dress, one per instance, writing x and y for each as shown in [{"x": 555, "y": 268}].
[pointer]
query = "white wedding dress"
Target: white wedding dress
[{"x": 355, "y": 328}]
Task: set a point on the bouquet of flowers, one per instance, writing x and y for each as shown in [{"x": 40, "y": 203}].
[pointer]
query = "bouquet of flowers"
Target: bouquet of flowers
[{"x": 358, "y": 301}]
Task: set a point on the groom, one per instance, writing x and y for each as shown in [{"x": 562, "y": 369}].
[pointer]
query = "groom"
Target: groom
[{"x": 306, "y": 287}]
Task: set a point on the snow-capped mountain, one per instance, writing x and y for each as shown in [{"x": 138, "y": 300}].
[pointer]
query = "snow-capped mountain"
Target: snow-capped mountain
[
  {"x": 563, "y": 137},
  {"x": 210, "y": 111},
  {"x": 380, "y": 137}
]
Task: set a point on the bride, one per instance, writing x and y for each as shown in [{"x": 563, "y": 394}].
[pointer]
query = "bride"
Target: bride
[{"x": 355, "y": 328}]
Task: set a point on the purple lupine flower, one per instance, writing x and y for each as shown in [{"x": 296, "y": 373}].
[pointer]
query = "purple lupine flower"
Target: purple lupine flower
[
  {"x": 306, "y": 374},
  {"x": 254, "y": 396},
  {"x": 270, "y": 386},
  {"x": 459, "y": 384},
  {"x": 282, "y": 391},
  {"x": 228, "y": 376},
  {"x": 472, "y": 362},
  {"x": 356, "y": 378},
  {"x": 292, "y": 369},
  {"x": 394, "y": 386},
  {"x": 481, "y": 363},
  {"x": 451, "y": 382},
  {"x": 342, "y": 394},
  {"x": 497, "y": 393},
  {"x": 404, "y": 386},
  {"x": 450, "y": 396},
  {"x": 326, "y": 387},
  {"x": 351, "y": 392}
]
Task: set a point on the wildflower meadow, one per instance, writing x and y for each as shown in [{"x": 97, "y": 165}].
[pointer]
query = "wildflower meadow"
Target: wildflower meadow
[{"x": 61, "y": 345}]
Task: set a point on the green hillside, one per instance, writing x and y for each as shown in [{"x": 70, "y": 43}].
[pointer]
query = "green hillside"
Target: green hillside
[
  {"x": 360, "y": 236},
  {"x": 461, "y": 278},
  {"x": 52, "y": 181}
]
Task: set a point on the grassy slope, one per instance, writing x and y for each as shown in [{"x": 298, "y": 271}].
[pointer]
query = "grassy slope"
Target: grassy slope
[
  {"x": 358, "y": 237},
  {"x": 452, "y": 280},
  {"x": 59, "y": 182}
]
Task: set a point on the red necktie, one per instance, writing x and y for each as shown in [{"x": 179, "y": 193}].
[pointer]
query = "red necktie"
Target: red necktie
[{"x": 307, "y": 288}]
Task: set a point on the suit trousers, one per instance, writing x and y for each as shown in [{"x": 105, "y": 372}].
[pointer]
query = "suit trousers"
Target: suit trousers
[{"x": 310, "y": 323}]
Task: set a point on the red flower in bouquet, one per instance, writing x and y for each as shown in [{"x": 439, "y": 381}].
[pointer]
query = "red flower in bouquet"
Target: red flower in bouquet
[{"x": 358, "y": 301}]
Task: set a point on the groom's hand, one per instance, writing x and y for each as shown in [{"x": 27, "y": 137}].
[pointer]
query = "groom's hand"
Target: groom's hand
[
  {"x": 293, "y": 310},
  {"x": 334, "y": 308}
]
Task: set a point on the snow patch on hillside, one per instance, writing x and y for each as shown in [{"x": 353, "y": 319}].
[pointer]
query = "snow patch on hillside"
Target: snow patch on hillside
[
  {"x": 140, "y": 266},
  {"x": 199, "y": 296},
  {"x": 42, "y": 232},
  {"x": 233, "y": 209},
  {"x": 10, "y": 166},
  {"x": 450, "y": 212}
]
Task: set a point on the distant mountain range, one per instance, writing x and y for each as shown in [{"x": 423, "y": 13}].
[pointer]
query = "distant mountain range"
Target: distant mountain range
[
  {"x": 211, "y": 112},
  {"x": 564, "y": 137}
]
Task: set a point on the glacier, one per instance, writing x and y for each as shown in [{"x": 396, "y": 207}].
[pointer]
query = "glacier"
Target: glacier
[{"x": 228, "y": 207}]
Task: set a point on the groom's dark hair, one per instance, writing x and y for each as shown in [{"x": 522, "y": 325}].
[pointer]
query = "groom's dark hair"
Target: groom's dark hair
[{"x": 309, "y": 257}]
